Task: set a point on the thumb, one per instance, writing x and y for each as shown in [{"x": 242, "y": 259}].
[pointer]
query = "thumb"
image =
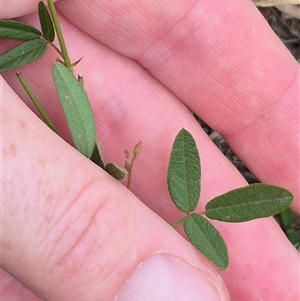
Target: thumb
[{"x": 71, "y": 232}]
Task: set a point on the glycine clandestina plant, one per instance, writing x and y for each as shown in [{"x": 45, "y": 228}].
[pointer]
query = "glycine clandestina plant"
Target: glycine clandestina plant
[
  {"x": 184, "y": 171},
  {"x": 239, "y": 205},
  {"x": 70, "y": 90}
]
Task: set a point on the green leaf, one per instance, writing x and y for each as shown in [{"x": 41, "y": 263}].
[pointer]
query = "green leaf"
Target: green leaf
[
  {"x": 23, "y": 54},
  {"x": 96, "y": 155},
  {"x": 77, "y": 109},
  {"x": 248, "y": 203},
  {"x": 46, "y": 22},
  {"x": 184, "y": 172},
  {"x": 288, "y": 224},
  {"x": 15, "y": 30},
  {"x": 206, "y": 238},
  {"x": 116, "y": 171},
  {"x": 287, "y": 217},
  {"x": 293, "y": 236}
]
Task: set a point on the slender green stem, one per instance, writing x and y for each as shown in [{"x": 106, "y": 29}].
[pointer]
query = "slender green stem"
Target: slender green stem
[
  {"x": 137, "y": 149},
  {"x": 55, "y": 48},
  {"x": 179, "y": 222},
  {"x": 61, "y": 40},
  {"x": 44, "y": 115},
  {"x": 129, "y": 170}
]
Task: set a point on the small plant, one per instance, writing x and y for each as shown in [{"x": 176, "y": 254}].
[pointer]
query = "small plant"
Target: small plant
[
  {"x": 70, "y": 90},
  {"x": 184, "y": 172},
  {"x": 239, "y": 205}
]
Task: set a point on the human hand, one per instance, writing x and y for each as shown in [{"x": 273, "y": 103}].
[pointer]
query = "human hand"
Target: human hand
[{"x": 70, "y": 232}]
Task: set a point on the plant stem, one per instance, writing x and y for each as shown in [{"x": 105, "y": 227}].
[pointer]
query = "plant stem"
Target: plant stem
[
  {"x": 136, "y": 152},
  {"x": 179, "y": 222},
  {"x": 36, "y": 103},
  {"x": 55, "y": 48},
  {"x": 129, "y": 170},
  {"x": 61, "y": 40}
]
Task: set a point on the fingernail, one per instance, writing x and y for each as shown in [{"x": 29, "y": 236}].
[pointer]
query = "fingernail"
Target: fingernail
[{"x": 165, "y": 277}]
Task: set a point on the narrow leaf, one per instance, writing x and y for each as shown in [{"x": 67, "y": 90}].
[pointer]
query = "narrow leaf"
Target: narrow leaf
[
  {"x": 247, "y": 203},
  {"x": 116, "y": 171},
  {"x": 23, "y": 54},
  {"x": 206, "y": 238},
  {"x": 77, "y": 109},
  {"x": 46, "y": 22},
  {"x": 293, "y": 236},
  {"x": 15, "y": 30},
  {"x": 287, "y": 216},
  {"x": 96, "y": 156},
  {"x": 184, "y": 172}
]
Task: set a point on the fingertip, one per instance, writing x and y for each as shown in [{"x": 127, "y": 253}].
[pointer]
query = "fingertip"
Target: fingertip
[{"x": 165, "y": 277}]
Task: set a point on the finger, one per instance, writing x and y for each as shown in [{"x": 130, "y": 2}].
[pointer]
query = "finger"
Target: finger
[
  {"x": 71, "y": 232},
  {"x": 129, "y": 106},
  {"x": 13, "y": 290},
  {"x": 224, "y": 63},
  {"x": 17, "y": 8}
]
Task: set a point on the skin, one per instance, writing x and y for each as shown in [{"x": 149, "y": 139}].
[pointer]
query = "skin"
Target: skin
[{"x": 144, "y": 63}]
